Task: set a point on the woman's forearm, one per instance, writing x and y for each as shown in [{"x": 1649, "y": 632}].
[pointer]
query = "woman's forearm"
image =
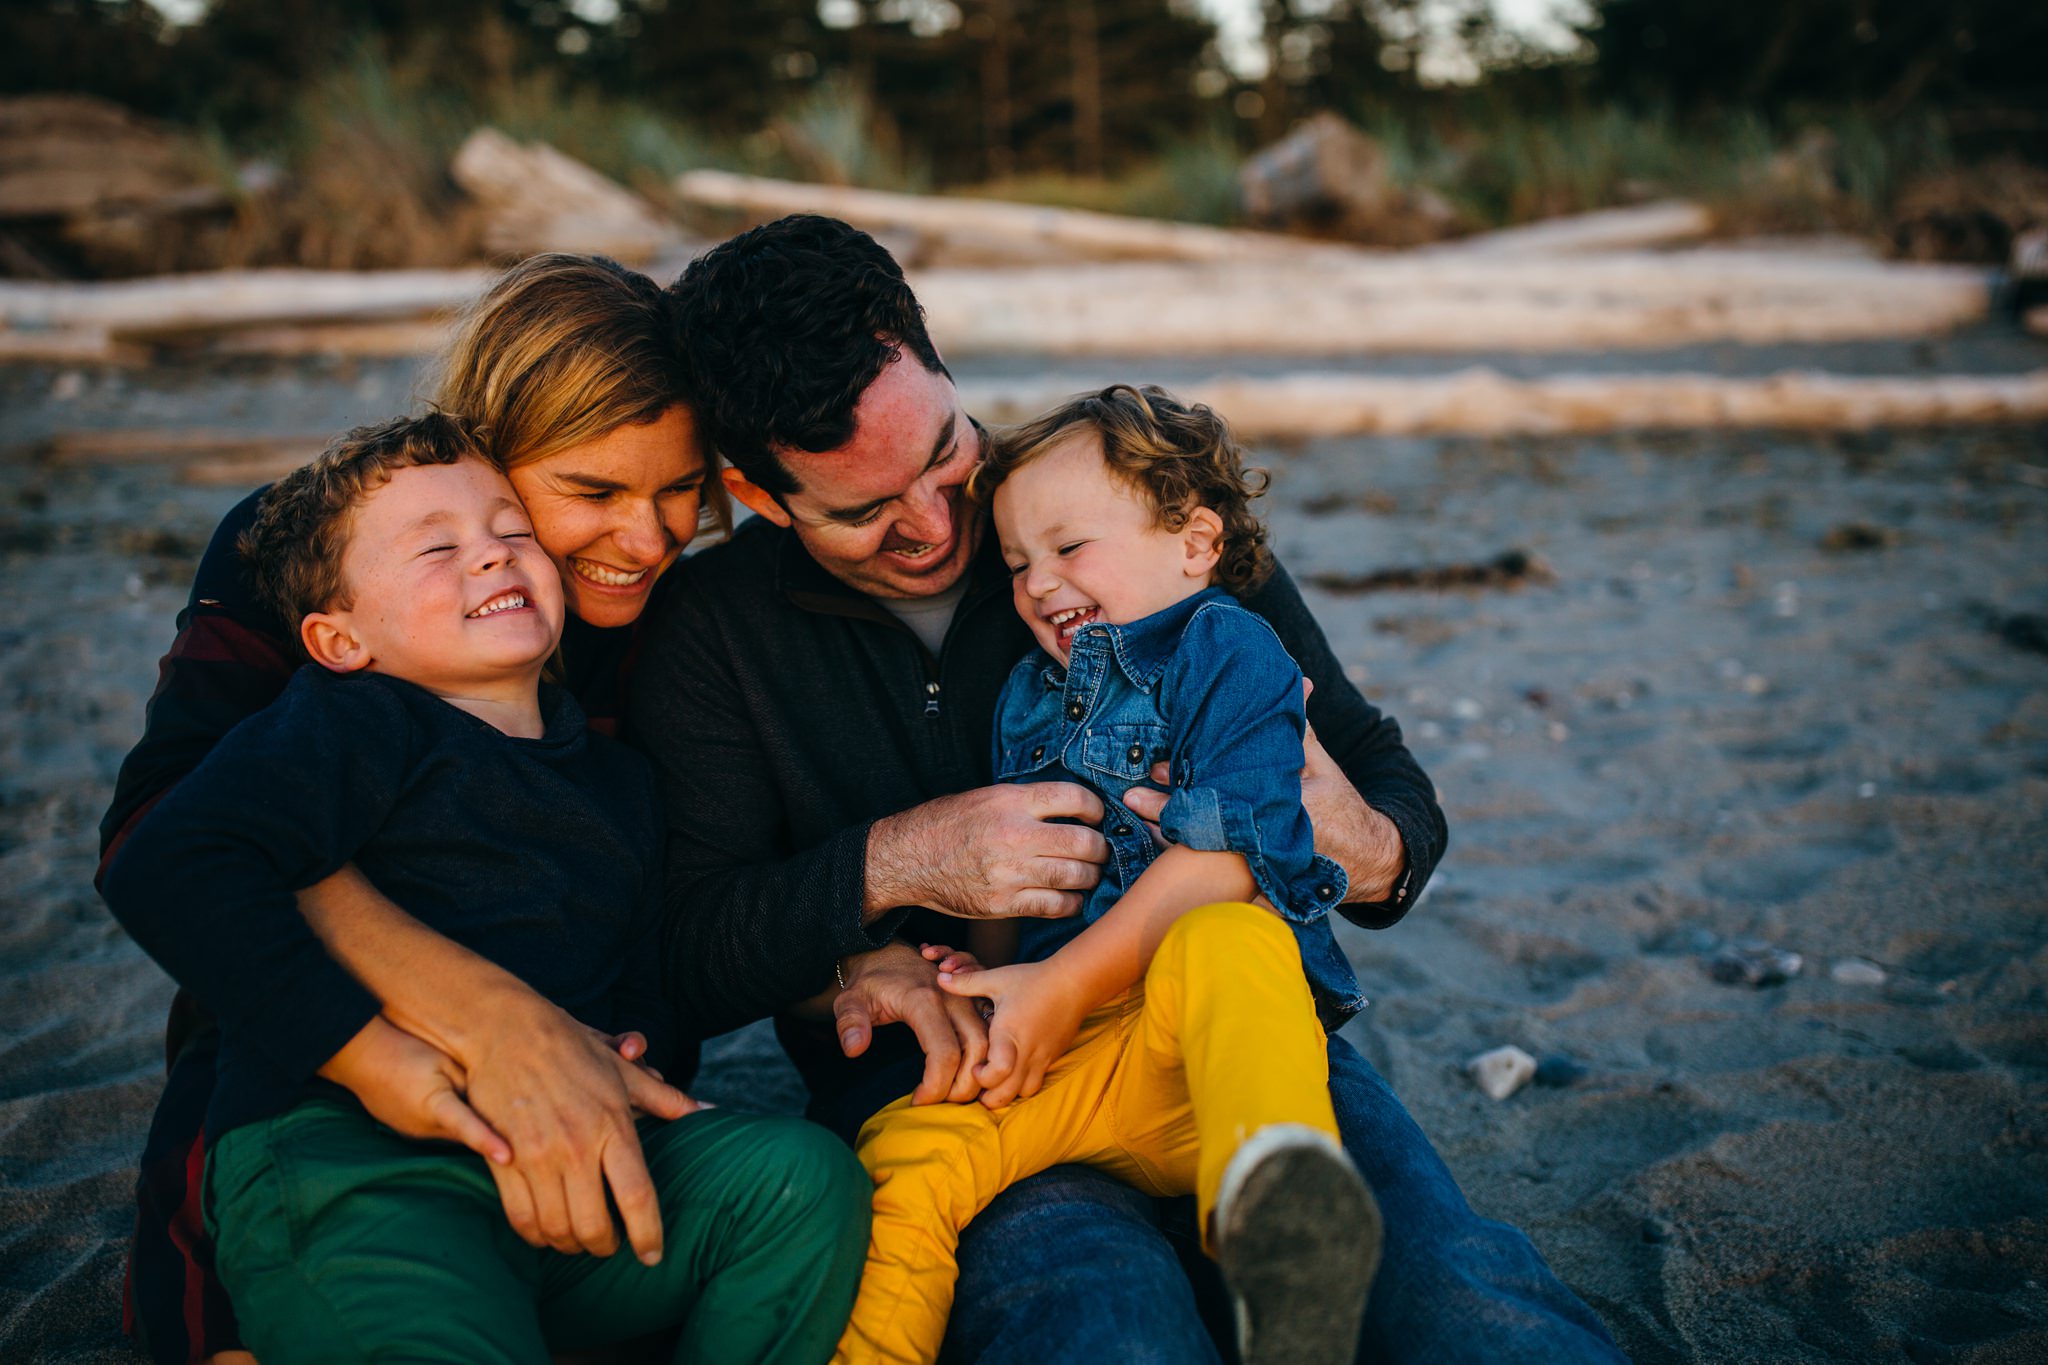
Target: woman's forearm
[{"x": 430, "y": 985}]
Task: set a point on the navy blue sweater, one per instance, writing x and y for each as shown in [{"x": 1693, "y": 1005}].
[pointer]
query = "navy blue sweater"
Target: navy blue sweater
[{"x": 539, "y": 855}]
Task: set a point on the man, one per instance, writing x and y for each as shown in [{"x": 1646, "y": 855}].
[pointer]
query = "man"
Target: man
[{"x": 817, "y": 695}]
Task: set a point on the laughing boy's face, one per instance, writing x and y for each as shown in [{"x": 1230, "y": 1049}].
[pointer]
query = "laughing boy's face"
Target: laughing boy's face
[{"x": 445, "y": 586}]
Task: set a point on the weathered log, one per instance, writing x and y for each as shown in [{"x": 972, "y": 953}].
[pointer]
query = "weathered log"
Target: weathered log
[
  {"x": 535, "y": 198},
  {"x": 1441, "y": 303},
  {"x": 88, "y": 187},
  {"x": 983, "y": 224},
  {"x": 1329, "y": 303},
  {"x": 1625, "y": 229},
  {"x": 228, "y": 299},
  {"x": 156, "y": 445},
  {"x": 1486, "y": 403}
]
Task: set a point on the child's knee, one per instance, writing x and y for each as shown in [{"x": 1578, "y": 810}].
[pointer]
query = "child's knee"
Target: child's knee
[
  {"x": 816, "y": 1171},
  {"x": 1224, "y": 933}
]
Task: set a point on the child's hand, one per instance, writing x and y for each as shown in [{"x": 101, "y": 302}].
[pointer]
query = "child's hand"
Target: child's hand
[
  {"x": 413, "y": 1088},
  {"x": 954, "y": 960},
  {"x": 1037, "y": 1013}
]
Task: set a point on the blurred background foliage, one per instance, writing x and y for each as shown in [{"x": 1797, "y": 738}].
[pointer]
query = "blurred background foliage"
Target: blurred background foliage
[{"x": 1784, "y": 114}]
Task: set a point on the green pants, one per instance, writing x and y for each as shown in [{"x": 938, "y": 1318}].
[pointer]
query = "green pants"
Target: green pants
[{"x": 339, "y": 1241}]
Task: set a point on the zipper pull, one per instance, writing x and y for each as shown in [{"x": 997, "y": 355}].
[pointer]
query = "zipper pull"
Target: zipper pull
[{"x": 931, "y": 699}]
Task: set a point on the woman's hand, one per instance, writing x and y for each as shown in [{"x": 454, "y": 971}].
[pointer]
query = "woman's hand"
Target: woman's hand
[
  {"x": 1038, "y": 1010},
  {"x": 564, "y": 1097}
]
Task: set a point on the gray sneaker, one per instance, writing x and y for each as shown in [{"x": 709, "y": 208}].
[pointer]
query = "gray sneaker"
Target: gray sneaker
[{"x": 1297, "y": 1234}]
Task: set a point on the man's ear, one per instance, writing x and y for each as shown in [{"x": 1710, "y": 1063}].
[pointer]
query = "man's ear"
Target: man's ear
[
  {"x": 1202, "y": 538},
  {"x": 753, "y": 497},
  {"x": 331, "y": 640}
]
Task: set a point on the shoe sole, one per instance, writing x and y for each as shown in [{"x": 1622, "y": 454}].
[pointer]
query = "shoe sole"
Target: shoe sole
[{"x": 1298, "y": 1245}]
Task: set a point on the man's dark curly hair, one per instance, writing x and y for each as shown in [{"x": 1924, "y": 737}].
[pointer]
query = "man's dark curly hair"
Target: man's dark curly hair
[{"x": 781, "y": 331}]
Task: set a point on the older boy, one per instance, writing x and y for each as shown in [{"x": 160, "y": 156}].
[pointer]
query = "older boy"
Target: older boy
[{"x": 425, "y": 750}]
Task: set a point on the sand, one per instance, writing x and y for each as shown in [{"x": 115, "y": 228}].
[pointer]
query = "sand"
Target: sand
[{"x": 1697, "y": 723}]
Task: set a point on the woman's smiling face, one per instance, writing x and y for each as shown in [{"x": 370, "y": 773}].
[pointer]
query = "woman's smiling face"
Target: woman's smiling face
[{"x": 615, "y": 512}]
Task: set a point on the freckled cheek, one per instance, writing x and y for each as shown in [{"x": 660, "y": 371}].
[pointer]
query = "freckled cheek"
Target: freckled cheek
[{"x": 560, "y": 533}]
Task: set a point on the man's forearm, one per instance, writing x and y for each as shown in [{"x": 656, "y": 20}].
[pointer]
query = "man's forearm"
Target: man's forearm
[
  {"x": 1368, "y": 847},
  {"x": 430, "y": 985},
  {"x": 897, "y": 859}
]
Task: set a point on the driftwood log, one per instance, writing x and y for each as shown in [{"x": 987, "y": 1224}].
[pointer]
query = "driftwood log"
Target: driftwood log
[
  {"x": 982, "y": 229},
  {"x": 1482, "y": 402},
  {"x": 1416, "y": 303},
  {"x": 1429, "y": 302},
  {"x": 535, "y": 198},
  {"x": 1475, "y": 402},
  {"x": 1626, "y": 229}
]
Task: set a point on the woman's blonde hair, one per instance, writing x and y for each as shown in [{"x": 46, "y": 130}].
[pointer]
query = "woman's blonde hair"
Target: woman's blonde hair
[{"x": 564, "y": 349}]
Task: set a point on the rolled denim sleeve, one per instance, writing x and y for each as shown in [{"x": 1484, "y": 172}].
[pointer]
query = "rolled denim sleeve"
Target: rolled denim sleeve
[
  {"x": 1366, "y": 743},
  {"x": 1233, "y": 698}
]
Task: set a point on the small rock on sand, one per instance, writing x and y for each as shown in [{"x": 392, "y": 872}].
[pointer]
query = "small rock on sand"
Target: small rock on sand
[
  {"x": 1751, "y": 962},
  {"x": 1501, "y": 1072},
  {"x": 1858, "y": 971}
]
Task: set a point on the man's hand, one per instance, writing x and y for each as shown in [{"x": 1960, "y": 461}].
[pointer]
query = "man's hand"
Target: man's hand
[
  {"x": 412, "y": 1088},
  {"x": 991, "y": 853},
  {"x": 1037, "y": 1013},
  {"x": 1350, "y": 833},
  {"x": 894, "y": 984},
  {"x": 564, "y": 1096}
]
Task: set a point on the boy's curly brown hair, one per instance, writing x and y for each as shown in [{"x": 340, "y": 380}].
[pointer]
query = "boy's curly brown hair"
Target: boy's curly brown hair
[
  {"x": 295, "y": 545},
  {"x": 1180, "y": 455}
]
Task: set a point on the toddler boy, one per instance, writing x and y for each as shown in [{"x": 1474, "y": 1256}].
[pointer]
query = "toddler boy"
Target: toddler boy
[
  {"x": 1174, "y": 1033},
  {"x": 425, "y": 750}
]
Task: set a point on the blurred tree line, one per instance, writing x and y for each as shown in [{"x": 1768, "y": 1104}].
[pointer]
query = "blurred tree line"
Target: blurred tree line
[{"x": 987, "y": 89}]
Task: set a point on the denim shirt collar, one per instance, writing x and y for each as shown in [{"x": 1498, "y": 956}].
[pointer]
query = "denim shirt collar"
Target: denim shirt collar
[{"x": 1142, "y": 647}]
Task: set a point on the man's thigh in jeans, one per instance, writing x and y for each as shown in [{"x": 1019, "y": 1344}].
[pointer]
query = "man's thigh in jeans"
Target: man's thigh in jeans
[
  {"x": 1069, "y": 1267},
  {"x": 1452, "y": 1286}
]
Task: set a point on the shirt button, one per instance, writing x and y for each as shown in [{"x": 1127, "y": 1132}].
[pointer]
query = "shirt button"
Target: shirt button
[
  {"x": 1038, "y": 753},
  {"x": 1325, "y": 891},
  {"x": 1136, "y": 753},
  {"x": 1120, "y": 831},
  {"x": 1075, "y": 710}
]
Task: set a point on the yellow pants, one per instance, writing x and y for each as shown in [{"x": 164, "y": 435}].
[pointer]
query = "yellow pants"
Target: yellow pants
[{"x": 1159, "y": 1089}]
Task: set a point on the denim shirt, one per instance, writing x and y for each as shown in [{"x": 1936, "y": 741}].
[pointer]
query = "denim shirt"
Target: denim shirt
[{"x": 1206, "y": 687}]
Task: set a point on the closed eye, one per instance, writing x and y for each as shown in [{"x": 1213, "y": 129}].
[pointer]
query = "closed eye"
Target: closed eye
[
  {"x": 1072, "y": 546},
  {"x": 435, "y": 550},
  {"x": 1016, "y": 569}
]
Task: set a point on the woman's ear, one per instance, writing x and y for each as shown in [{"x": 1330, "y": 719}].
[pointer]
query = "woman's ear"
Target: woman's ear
[
  {"x": 331, "y": 640},
  {"x": 752, "y": 496},
  {"x": 1202, "y": 539}
]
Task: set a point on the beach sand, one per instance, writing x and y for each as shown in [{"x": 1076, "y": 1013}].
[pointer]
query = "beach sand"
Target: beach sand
[{"x": 1789, "y": 689}]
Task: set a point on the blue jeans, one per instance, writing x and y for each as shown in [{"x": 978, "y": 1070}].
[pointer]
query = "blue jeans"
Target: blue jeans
[{"x": 1072, "y": 1266}]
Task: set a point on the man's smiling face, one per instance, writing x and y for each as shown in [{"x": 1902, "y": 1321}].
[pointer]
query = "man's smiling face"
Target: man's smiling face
[{"x": 887, "y": 512}]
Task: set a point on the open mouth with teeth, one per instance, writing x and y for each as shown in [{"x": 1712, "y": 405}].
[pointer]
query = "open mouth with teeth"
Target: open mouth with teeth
[
  {"x": 605, "y": 576},
  {"x": 509, "y": 600},
  {"x": 1066, "y": 623}
]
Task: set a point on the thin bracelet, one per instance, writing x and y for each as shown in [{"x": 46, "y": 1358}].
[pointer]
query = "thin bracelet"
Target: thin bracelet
[{"x": 839, "y": 972}]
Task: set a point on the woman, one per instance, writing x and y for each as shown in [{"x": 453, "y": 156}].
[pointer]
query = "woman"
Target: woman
[{"x": 568, "y": 365}]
